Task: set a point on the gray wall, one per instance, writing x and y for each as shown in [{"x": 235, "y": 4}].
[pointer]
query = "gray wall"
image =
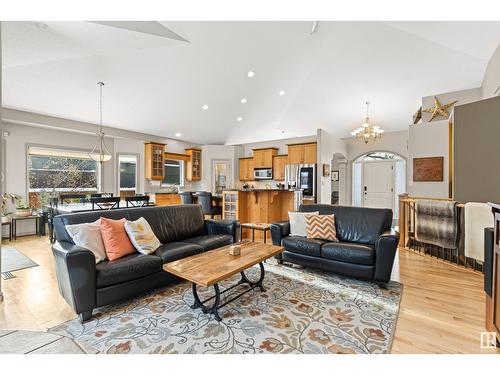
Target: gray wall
[
  {"x": 428, "y": 139},
  {"x": 476, "y": 135}
]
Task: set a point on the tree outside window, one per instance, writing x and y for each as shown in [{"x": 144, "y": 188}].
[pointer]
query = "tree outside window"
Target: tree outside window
[{"x": 51, "y": 175}]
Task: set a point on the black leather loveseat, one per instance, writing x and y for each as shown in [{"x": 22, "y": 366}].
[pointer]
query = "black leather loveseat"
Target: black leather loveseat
[
  {"x": 182, "y": 229},
  {"x": 366, "y": 248}
]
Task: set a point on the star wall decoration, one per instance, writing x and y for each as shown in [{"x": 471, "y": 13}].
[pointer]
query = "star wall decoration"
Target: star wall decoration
[
  {"x": 439, "y": 109},
  {"x": 417, "y": 116}
]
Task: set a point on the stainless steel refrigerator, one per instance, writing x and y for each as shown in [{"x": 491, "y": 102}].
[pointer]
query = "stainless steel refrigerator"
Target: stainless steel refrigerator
[{"x": 302, "y": 176}]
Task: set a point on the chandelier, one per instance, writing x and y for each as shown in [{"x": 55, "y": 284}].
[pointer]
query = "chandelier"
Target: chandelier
[
  {"x": 100, "y": 152},
  {"x": 367, "y": 131}
]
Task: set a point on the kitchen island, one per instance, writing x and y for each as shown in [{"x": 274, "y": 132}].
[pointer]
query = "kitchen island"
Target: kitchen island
[
  {"x": 166, "y": 198},
  {"x": 259, "y": 206}
]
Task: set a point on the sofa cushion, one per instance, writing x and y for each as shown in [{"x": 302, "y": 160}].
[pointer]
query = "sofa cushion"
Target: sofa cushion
[
  {"x": 142, "y": 236},
  {"x": 115, "y": 239},
  {"x": 321, "y": 227},
  {"x": 177, "y": 250},
  {"x": 88, "y": 236},
  {"x": 302, "y": 245},
  {"x": 128, "y": 268},
  {"x": 298, "y": 222},
  {"x": 355, "y": 224},
  {"x": 211, "y": 241},
  {"x": 349, "y": 252}
]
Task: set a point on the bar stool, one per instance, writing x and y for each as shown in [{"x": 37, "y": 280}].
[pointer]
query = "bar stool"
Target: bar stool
[
  {"x": 205, "y": 199},
  {"x": 264, "y": 227},
  {"x": 186, "y": 197}
]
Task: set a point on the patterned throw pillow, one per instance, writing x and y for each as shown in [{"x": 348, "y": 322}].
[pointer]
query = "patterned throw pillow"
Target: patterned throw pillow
[
  {"x": 321, "y": 227},
  {"x": 142, "y": 236}
]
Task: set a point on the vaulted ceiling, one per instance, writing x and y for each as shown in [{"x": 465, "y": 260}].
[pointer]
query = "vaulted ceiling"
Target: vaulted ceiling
[{"x": 159, "y": 75}]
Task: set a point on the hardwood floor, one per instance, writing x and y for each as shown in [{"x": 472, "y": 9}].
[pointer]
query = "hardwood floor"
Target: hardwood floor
[{"x": 442, "y": 308}]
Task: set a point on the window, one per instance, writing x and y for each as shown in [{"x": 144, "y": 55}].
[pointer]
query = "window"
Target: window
[
  {"x": 173, "y": 172},
  {"x": 53, "y": 170},
  {"x": 128, "y": 167},
  {"x": 380, "y": 155},
  {"x": 127, "y": 176}
]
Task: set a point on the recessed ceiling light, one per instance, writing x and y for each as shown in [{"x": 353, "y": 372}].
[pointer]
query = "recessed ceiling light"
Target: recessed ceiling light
[
  {"x": 204, "y": 107},
  {"x": 251, "y": 74},
  {"x": 243, "y": 100},
  {"x": 239, "y": 119},
  {"x": 178, "y": 134},
  {"x": 282, "y": 92}
]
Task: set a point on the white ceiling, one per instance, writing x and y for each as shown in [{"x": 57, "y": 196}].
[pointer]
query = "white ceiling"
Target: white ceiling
[{"x": 157, "y": 84}]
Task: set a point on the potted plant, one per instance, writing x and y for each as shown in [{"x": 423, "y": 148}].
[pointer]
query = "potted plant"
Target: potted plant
[
  {"x": 8, "y": 202},
  {"x": 22, "y": 209}
]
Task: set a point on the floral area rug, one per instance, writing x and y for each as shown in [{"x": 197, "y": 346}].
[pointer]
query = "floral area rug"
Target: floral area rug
[{"x": 301, "y": 311}]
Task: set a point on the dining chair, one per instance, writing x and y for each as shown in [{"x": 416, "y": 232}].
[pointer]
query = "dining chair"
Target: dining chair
[
  {"x": 186, "y": 197},
  {"x": 105, "y": 203},
  {"x": 70, "y": 198},
  {"x": 51, "y": 213},
  {"x": 137, "y": 201},
  {"x": 205, "y": 199}
]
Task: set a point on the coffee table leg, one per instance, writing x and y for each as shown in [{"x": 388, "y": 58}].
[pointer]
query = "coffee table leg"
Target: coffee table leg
[
  {"x": 259, "y": 282},
  {"x": 210, "y": 310}
]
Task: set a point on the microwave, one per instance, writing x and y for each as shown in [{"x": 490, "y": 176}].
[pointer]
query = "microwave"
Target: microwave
[{"x": 263, "y": 174}]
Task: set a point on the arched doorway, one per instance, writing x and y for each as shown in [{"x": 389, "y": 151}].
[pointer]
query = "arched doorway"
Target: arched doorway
[{"x": 378, "y": 177}]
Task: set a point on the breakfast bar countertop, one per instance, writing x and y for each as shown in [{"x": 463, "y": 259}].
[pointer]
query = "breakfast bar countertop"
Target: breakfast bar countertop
[{"x": 263, "y": 189}]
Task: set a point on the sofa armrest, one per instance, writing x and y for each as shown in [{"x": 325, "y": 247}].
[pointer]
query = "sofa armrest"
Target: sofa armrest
[
  {"x": 76, "y": 275},
  {"x": 279, "y": 230},
  {"x": 230, "y": 227},
  {"x": 385, "y": 252}
]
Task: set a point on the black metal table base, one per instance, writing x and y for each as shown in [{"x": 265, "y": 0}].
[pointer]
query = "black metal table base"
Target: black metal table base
[{"x": 214, "y": 308}]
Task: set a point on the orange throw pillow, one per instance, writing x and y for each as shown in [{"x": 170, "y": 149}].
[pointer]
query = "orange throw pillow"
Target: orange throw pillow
[
  {"x": 321, "y": 227},
  {"x": 116, "y": 241}
]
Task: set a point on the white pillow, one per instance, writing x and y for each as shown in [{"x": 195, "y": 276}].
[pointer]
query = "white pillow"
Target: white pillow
[
  {"x": 88, "y": 235},
  {"x": 142, "y": 236},
  {"x": 298, "y": 222}
]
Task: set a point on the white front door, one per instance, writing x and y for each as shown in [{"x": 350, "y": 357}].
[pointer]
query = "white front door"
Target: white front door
[{"x": 377, "y": 187}]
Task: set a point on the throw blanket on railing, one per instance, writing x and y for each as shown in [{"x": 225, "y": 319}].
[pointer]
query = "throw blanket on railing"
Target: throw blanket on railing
[
  {"x": 436, "y": 223},
  {"x": 477, "y": 217}
]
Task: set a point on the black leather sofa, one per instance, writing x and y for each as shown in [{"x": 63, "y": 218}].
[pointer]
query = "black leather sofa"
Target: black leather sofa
[
  {"x": 182, "y": 229},
  {"x": 366, "y": 248}
]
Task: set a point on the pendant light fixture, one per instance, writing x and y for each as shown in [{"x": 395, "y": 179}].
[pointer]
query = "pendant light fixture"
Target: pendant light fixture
[
  {"x": 100, "y": 152},
  {"x": 367, "y": 131}
]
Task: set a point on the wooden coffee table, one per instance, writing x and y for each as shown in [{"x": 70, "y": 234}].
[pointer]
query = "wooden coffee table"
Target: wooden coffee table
[{"x": 210, "y": 268}]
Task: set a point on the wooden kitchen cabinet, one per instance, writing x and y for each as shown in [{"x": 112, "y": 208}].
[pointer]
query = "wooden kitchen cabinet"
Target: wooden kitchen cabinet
[
  {"x": 303, "y": 153},
  {"x": 193, "y": 170},
  {"x": 153, "y": 160},
  {"x": 167, "y": 199},
  {"x": 310, "y": 153},
  {"x": 246, "y": 169},
  {"x": 279, "y": 162},
  {"x": 263, "y": 157}
]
